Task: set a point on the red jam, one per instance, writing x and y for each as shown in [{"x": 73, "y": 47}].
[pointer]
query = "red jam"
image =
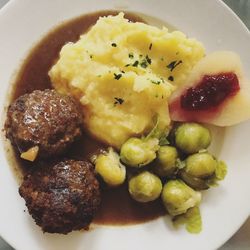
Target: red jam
[{"x": 210, "y": 92}]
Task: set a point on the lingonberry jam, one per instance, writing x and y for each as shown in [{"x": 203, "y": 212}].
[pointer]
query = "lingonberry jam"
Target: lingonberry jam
[{"x": 210, "y": 92}]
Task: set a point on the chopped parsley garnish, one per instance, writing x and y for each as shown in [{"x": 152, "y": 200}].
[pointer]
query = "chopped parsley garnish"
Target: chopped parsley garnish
[
  {"x": 156, "y": 82},
  {"x": 114, "y": 45},
  {"x": 91, "y": 56},
  {"x": 171, "y": 78},
  {"x": 117, "y": 76},
  {"x": 130, "y": 55},
  {"x": 148, "y": 59},
  {"x": 150, "y": 46},
  {"x": 173, "y": 65},
  {"x": 144, "y": 64},
  {"x": 135, "y": 64},
  {"x": 118, "y": 101},
  {"x": 123, "y": 71}
]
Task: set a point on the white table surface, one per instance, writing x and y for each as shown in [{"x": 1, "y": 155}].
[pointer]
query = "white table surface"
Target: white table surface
[{"x": 241, "y": 240}]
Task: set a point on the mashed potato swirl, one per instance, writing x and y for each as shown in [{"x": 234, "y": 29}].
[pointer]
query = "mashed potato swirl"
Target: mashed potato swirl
[{"x": 123, "y": 73}]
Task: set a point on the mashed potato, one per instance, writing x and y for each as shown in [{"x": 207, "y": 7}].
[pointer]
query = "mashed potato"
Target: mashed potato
[{"x": 123, "y": 73}]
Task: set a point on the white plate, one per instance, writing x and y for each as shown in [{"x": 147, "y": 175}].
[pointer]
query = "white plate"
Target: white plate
[{"x": 224, "y": 209}]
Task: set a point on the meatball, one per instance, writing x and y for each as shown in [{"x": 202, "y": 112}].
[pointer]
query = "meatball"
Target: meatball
[
  {"x": 63, "y": 197},
  {"x": 45, "y": 119}
]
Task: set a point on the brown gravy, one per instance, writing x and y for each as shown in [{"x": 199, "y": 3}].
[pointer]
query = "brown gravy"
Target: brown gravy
[{"x": 117, "y": 206}]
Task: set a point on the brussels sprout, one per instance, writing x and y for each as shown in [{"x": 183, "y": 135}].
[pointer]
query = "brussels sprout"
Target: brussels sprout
[
  {"x": 145, "y": 187},
  {"x": 178, "y": 197},
  {"x": 219, "y": 175},
  {"x": 166, "y": 161},
  {"x": 108, "y": 166},
  {"x": 193, "y": 182},
  {"x": 137, "y": 152},
  {"x": 192, "y": 220},
  {"x": 192, "y": 137},
  {"x": 200, "y": 165},
  {"x": 221, "y": 170}
]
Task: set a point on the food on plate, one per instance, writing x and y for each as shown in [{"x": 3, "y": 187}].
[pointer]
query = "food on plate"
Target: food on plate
[
  {"x": 203, "y": 170},
  {"x": 178, "y": 197},
  {"x": 137, "y": 152},
  {"x": 145, "y": 187},
  {"x": 191, "y": 219},
  {"x": 30, "y": 154},
  {"x": 194, "y": 182},
  {"x": 125, "y": 76},
  {"x": 43, "y": 124},
  {"x": 63, "y": 197},
  {"x": 167, "y": 157},
  {"x": 192, "y": 137},
  {"x": 216, "y": 92},
  {"x": 109, "y": 167},
  {"x": 200, "y": 165},
  {"x": 123, "y": 73}
]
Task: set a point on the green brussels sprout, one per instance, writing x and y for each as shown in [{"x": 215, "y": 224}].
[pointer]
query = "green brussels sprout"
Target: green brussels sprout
[
  {"x": 193, "y": 182},
  {"x": 178, "y": 197},
  {"x": 145, "y": 187},
  {"x": 200, "y": 165},
  {"x": 221, "y": 170},
  {"x": 109, "y": 167},
  {"x": 137, "y": 152},
  {"x": 166, "y": 161},
  {"x": 192, "y": 137}
]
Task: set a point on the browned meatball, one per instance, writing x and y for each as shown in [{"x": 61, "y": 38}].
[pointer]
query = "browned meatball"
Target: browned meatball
[
  {"x": 45, "y": 119},
  {"x": 63, "y": 197}
]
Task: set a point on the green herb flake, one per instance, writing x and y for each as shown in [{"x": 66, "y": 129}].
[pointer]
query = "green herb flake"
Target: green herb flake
[
  {"x": 135, "y": 64},
  {"x": 113, "y": 44},
  {"x": 155, "y": 82},
  {"x": 130, "y": 55},
  {"x": 117, "y": 76},
  {"x": 144, "y": 64},
  {"x": 148, "y": 59},
  {"x": 171, "y": 66},
  {"x": 171, "y": 78},
  {"x": 118, "y": 100},
  {"x": 91, "y": 56},
  {"x": 150, "y": 46}
]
